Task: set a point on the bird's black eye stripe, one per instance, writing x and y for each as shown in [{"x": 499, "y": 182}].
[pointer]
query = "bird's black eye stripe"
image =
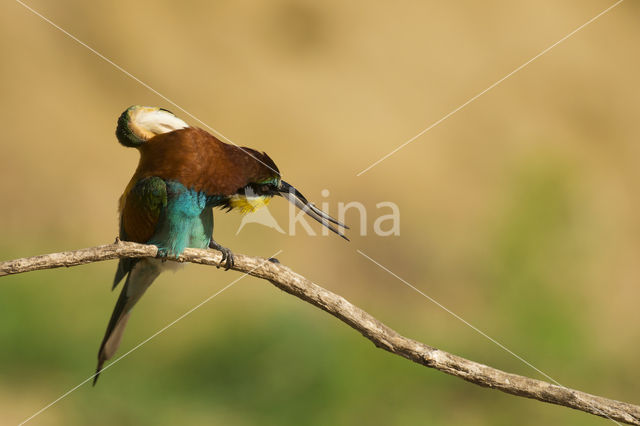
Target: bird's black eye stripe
[{"x": 257, "y": 189}]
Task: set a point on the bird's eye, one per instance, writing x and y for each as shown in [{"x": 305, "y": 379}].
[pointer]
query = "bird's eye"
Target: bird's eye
[{"x": 264, "y": 189}]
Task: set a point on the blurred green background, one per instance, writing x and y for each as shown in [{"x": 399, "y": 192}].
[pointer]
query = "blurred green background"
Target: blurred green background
[{"x": 520, "y": 213}]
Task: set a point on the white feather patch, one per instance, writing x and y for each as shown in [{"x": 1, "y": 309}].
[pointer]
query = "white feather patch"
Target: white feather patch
[{"x": 146, "y": 122}]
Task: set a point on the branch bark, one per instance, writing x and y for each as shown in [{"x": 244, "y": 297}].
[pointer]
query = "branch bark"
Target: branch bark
[{"x": 381, "y": 335}]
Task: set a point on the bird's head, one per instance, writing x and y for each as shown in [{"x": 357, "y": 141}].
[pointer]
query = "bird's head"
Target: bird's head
[
  {"x": 259, "y": 194},
  {"x": 139, "y": 123}
]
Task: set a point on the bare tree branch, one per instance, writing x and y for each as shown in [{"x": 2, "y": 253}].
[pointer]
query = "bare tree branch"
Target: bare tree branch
[{"x": 381, "y": 335}]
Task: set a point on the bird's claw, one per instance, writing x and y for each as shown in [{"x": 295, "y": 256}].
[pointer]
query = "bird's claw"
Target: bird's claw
[
  {"x": 162, "y": 254},
  {"x": 227, "y": 255}
]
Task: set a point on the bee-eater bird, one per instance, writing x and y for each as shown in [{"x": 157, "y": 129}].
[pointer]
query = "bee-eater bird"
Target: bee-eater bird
[{"x": 183, "y": 173}]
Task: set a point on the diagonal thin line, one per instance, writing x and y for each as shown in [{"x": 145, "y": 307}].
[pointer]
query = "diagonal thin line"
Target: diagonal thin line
[
  {"x": 473, "y": 327},
  {"x": 172, "y": 323},
  {"x": 133, "y": 77},
  {"x": 490, "y": 87},
  {"x": 460, "y": 318}
]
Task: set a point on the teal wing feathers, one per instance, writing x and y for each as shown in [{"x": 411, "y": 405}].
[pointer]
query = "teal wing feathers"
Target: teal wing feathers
[{"x": 139, "y": 218}]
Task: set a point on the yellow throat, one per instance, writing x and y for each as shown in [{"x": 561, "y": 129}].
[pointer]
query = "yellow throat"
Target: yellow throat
[{"x": 248, "y": 204}]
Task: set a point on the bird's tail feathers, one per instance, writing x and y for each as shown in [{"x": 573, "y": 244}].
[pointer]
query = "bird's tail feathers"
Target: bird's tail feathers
[{"x": 137, "y": 282}]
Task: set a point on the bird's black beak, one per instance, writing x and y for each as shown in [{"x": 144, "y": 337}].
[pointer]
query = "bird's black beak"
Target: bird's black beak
[{"x": 297, "y": 199}]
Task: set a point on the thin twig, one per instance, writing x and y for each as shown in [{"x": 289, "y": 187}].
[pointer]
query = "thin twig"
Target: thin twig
[{"x": 381, "y": 335}]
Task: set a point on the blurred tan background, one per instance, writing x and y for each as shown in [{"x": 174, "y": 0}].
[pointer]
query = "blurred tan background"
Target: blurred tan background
[{"x": 521, "y": 213}]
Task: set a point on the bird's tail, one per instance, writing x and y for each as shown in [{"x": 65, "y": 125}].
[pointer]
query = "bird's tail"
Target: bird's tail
[
  {"x": 137, "y": 124},
  {"x": 139, "y": 279}
]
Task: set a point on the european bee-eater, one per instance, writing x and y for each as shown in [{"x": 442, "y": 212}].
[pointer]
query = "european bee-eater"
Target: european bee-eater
[{"x": 183, "y": 173}]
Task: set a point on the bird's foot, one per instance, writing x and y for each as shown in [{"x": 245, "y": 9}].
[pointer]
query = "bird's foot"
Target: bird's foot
[
  {"x": 162, "y": 254},
  {"x": 227, "y": 255}
]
